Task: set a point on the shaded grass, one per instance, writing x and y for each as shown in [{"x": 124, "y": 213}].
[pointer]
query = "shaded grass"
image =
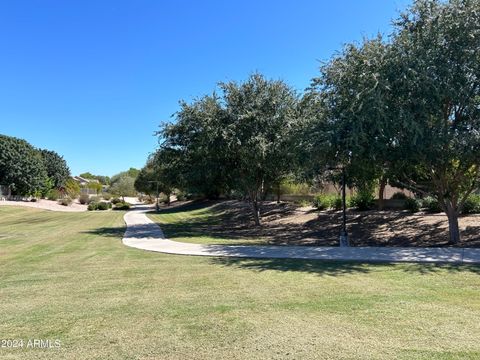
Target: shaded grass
[
  {"x": 230, "y": 222},
  {"x": 62, "y": 278}
]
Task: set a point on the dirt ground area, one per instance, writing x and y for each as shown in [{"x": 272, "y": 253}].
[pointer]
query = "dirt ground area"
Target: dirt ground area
[{"x": 287, "y": 223}]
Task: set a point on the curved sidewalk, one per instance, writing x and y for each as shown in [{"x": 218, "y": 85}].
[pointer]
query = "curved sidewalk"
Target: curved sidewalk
[{"x": 143, "y": 233}]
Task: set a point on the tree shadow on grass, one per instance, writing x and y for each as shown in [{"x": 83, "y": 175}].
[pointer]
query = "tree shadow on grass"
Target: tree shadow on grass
[
  {"x": 284, "y": 224},
  {"x": 336, "y": 268},
  {"x": 116, "y": 231}
]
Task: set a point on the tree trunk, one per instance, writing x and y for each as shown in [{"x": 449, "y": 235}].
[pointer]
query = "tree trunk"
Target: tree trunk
[
  {"x": 381, "y": 193},
  {"x": 255, "y": 210},
  {"x": 453, "y": 228},
  {"x": 279, "y": 194}
]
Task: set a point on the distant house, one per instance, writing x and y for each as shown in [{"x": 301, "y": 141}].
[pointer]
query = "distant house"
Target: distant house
[{"x": 83, "y": 182}]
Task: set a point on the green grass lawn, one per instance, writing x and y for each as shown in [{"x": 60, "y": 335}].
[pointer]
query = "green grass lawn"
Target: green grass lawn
[
  {"x": 207, "y": 223},
  {"x": 67, "y": 276}
]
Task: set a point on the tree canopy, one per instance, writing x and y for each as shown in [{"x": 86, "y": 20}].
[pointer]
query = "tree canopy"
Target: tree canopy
[
  {"x": 21, "y": 166},
  {"x": 403, "y": 109}
]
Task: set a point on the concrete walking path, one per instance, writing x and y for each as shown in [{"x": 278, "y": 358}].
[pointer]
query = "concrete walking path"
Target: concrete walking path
[{"x": 143, "y": 233}]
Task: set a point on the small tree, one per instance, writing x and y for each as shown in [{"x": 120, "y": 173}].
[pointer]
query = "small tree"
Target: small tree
[{"x": 124, "y": 186}]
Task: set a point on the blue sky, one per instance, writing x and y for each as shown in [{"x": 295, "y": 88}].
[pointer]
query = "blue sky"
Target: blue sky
[{"x": 93, "y": 79}]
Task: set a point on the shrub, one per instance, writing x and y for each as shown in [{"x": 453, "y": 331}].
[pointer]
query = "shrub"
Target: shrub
[
  {"x": 321, "y": 202},
  {"x": 471, "y": 205},
  {"x": 303, "y": 203},
  {"x": 181, "y": 196},
  {"x": 412, "y": 205},
  {"x": 327, "y": 201},
  {"x": 149, "y": 200},
  {"x": 400, "y": 196},
  {"x": 92, "y": 206},
  {"x": 116, "y": 200},
  {"x": 363, "y": 200},
  {"x": 106, "y": 196},
  {"x": 66, "y": 201},
  {"x": 53, "y": 194},
  {"x": 163, "y": 198},
  {"x": 95, "y": 199},
  {"x": 431, "y": 204},
  {"x": 72, "y": 188},
  {"x": 122, "y": 206},
  {"x": 103, "y": 205},
  {"x": 84, "y": 199}
]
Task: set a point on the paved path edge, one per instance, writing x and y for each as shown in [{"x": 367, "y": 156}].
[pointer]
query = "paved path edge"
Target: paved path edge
[{"x": 143, "y": 233}]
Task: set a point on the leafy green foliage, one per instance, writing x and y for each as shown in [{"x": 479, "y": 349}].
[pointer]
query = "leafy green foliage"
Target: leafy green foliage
[
  {"x": 411, "y": 204},
  {"x": 53, "y": 194},
  {"x": 84, "y": 199},
  {"x": 471, "y": 205},
  {"x": 21, "y": 166},
  {"x": 123, "y": 186},
  {"x": 431, "y": 204},
  {"x": 66, "y": 201},
  {"x": 72, "y": 188},
  {"x": 399, "y": 196},
  {"x": 327, "y": 201},
  {"x": 363, "y": 199},
  {"x": 122, "y": 206},
  {"x": 56, "y": 167}
]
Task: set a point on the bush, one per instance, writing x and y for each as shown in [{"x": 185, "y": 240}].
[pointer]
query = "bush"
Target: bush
[
  {"x": 84, "y": 199},
  {"x": 72, "y": 188},
  {"x": 400, "y": 196},
  {"x": 103, "y": 205},
  {"x": 116, "y": 200},
  {"x": 66, "y": 201},
  {"x": 412, "y": 205},
  {"x": 327, "y": 201},
  {"x": 303, "y": 203},
  {"x": 471, "y": 205},
  {"x": 95, "y": 199},
  {"x": 363, "y": 200},
  {"x": 122, "y": 206},
  {"x": 106, "y": 196},
  {"x": 92, "y": 206},
  {"x": 321, "y": 202},
  {"x": 181, "y": 196},
  {"x": 53, "y": 194},
  {"x": 431, "y": 205},
  {"x": 149, "y": 200}
]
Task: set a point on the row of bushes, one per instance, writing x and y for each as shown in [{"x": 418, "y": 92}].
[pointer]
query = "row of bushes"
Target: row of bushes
[
  {"x": 361, "y": 201},
  {"x": 86, "y": 199},
  {"x": 431, "y": 205},
  {"x": 365, "y": 201},
  {"x": 104, "y": 205}
]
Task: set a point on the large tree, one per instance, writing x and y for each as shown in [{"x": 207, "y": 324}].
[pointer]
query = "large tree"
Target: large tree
[
  {"x": 195, "y": 148},
  {"x": 352, "y": 125},
  {"x": 262, "y": 120},
  {"x": 57, "y": 169},
  {"x": 21, "y": 166},
  {"x": 435, "y": 74},
  {"x": 409, "y": 109},
  {"x": 241, "y": 139}
]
